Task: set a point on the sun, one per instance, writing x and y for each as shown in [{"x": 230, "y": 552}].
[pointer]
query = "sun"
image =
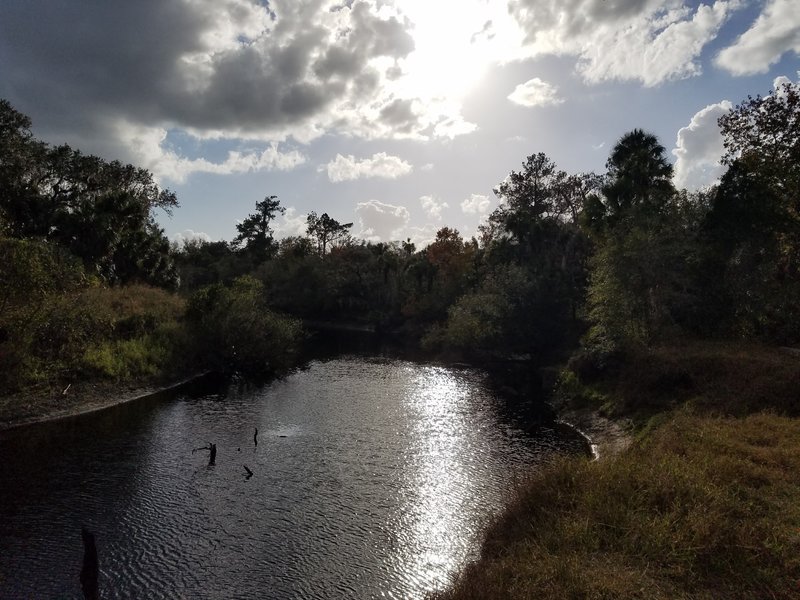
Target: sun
[{"x": 455, "y": 43}]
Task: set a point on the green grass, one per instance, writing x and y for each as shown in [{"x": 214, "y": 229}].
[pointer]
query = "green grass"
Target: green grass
[{"x": 705, "y": 504}]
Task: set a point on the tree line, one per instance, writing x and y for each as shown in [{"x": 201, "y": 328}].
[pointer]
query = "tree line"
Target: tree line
[{"x": 604, "y": 261}]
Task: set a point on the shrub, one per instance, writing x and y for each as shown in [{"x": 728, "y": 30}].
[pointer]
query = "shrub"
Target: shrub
[{"x": 236, "y": 331}]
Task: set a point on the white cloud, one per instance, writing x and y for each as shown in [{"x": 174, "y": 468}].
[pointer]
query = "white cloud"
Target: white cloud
[
  {"x": 433, "y": 207},
  {"x": 535, "y": 92},
  {"x": 422, "y": 236},
  {"x": 149, "y": 151},
  {"x": 775, "y": 32},
  {"x": 699, "y": 148},
  {"x": 651, "y": 41},
  {"x": 453, "y": 126},
  {"x": 476, "y": 204},
  {"x": 289, "y": 224},
  {"x": 188, "y": 235},
  {"x": 348, "y": 168},
  {"x": 381, "y": 222}
]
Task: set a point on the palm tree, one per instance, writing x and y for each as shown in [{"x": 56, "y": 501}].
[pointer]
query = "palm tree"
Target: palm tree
[{"x": 639, "y": 175}]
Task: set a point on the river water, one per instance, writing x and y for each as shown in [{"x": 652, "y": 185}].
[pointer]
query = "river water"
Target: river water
[{"x": 372, "y": 477}]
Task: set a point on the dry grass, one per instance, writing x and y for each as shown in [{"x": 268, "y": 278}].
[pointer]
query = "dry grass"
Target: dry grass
[
  {"x": 706, "y": 504},
  {"x": 706, "y": 507}
]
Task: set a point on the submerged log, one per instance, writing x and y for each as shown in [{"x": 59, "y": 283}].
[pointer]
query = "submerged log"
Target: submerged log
[
  {"x": 249, "y": 472},
  {"x": 90, "y": 569},
  {"x": 255, "y": 437}
]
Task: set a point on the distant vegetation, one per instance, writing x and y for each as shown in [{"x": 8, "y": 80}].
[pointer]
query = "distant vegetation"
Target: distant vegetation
[{"x": 611, "y": 262}]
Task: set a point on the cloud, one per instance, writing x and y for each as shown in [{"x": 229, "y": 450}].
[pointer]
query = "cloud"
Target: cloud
[
  {"x": 215, "y": 69},
  {"x": 651, "y": 41},
  {"x": 149, "y": 150},
  {"x": 348, "y": 168},
  {"x": 289, "y": 224},
  {"x": 775, "y": 32},
  {"x": 188, "y": 235},
  {"x": 699, "y": 148},
  {"x": 381, "y": 222},
  {"x": 535, "y": 92},
  {"x": 476, "y": 204},
  {"x": 422, "y": 236},
  {"x": 433, "y": 207}
]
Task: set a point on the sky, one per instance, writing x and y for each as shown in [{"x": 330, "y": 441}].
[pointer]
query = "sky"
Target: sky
[{"x": 400, "y": 116}]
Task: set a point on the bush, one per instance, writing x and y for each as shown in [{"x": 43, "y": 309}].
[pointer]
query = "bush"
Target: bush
[{"x": 237, "y": 332}]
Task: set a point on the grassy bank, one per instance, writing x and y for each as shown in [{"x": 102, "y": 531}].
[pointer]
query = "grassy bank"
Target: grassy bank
[
  {"x": 703, "y": 505},
  {"x": 74, "y": 349}
]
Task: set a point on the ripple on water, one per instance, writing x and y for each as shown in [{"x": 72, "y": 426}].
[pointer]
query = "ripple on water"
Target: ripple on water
[{"x": 371, "y": 478}]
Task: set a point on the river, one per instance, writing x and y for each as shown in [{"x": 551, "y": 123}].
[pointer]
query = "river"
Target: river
[{"x": 372, "y": 477}]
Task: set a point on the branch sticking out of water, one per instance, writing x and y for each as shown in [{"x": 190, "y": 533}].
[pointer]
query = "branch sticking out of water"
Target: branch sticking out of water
[{"x": 90, "y": 569}]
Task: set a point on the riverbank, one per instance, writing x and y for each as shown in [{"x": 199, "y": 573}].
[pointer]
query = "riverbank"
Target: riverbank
[
  {"x": 703, "y": 504},
  {"x": 50, "y": 403}
]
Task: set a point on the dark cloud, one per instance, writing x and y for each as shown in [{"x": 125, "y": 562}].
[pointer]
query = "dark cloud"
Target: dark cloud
[
  {"x": 400, "y": 115},
  {"x": 575, "y": 18},
  {"x": 214, "y": 65}
]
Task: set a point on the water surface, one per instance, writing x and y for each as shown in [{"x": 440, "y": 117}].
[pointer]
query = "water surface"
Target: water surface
[{"x": 371, "y": 479}]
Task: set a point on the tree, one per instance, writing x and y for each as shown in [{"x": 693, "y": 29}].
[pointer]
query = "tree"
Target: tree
[
  {"x": 255, "y": 232},
  {"x": 640, "y": 264},
  {"x": 753, "y": 228},
  {"x": 101, "y": 211},
  {"x": 326, "y": 232},
  {"x": 638, "y": 181},
  {"x": 763, "y": 133},
  {"x": 536, "y": 228}
]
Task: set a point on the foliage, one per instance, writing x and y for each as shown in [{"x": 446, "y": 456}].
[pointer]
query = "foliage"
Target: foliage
[
  {"x": 764, "y": 133},
  {"x": 102, "y": 212},
  {"x": 236, "y": 331},
  {"x": 327, "y": 232},
  {"x": 200, "y": 263},
  {"x": 752, "y": 231},
  {"x": 70, "y": 332},
  {"x": 255, "y": 232},
  {"x": 641, "y": 284}
]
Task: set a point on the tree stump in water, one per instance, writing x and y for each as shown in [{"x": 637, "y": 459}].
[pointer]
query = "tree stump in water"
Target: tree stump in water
[{"x": 90, "y": 569}]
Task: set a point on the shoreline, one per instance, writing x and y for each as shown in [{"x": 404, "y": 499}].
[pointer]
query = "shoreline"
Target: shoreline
[
  {"x": 87, "y": 398},
  {"x": 606, "y": 437}
]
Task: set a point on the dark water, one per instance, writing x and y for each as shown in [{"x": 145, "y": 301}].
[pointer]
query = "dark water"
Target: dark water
[{"x": 372, "y": 478}]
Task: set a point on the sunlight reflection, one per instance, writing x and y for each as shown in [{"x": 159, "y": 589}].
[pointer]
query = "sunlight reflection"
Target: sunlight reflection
[{"x": 434, "y": 511}]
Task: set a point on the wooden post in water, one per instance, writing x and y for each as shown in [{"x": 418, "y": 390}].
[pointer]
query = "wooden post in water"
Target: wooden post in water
[{"x": 90, "y": 569}]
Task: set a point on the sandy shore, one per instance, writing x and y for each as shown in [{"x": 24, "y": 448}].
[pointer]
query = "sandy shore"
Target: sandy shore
[{"x": 49, "y": 404}]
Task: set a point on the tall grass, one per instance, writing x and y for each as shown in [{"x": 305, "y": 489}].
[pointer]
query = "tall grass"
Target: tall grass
[
  {"x": 706, "y": 504},
  {"x": 704, "y": 508},
  {"x": 94, "y": 332}
]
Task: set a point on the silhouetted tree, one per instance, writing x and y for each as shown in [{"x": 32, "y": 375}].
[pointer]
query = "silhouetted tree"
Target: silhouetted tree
[
  {"x": 326, "y": 231},
  {"x": 255, "y": 233}
]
